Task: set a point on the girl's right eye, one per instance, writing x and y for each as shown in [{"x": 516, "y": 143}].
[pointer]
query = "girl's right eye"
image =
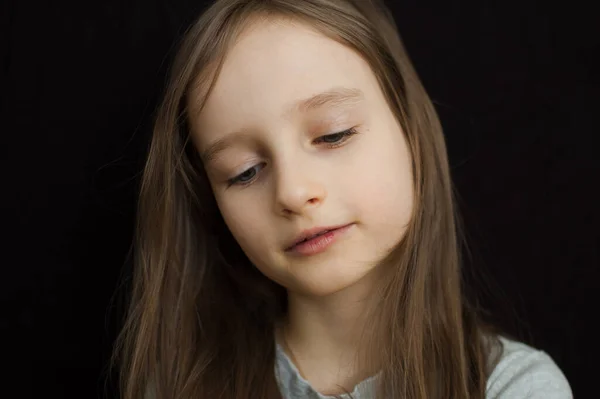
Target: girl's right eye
[{"x": 246, "y": 177}]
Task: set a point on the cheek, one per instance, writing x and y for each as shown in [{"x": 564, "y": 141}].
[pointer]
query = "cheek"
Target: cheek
[
  {"x": 387, "y": 197},
  {"x": 245, "y": 225},
  {"x": 384, "y": 188},
  {"x": 237, "y": 222}
]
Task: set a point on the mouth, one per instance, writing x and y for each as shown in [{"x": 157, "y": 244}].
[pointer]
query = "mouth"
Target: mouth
[{"x": 316, "y": 239}]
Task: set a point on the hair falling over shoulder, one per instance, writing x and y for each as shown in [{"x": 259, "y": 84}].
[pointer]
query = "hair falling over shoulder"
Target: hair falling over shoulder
[{"x": 201, "y": 318}]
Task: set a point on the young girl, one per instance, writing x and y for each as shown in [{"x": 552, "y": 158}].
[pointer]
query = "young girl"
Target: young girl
[{"x": 296, "y": 234}]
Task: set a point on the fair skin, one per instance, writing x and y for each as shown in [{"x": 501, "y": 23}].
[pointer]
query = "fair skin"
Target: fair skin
[{"x": 279, "y": 177}]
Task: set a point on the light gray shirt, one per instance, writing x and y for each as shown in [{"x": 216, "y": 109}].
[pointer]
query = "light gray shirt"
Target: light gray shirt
[{"x": 522, "y": 372}]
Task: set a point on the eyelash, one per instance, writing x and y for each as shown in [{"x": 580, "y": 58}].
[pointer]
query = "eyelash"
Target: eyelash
[{"x": 343, "y": 137}]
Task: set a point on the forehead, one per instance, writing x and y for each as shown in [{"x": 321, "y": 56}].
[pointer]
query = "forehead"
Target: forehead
[{"x": 274, "y": 64}]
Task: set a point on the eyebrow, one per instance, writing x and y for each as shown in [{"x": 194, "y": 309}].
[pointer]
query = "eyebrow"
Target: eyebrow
[{"x": 335, "y": 97}]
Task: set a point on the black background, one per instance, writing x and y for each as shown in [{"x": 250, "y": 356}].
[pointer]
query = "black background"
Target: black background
[{"x": 515, "y": 85}]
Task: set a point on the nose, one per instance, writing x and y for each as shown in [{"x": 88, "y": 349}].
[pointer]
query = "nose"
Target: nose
[{"x": 298, "y": 189}]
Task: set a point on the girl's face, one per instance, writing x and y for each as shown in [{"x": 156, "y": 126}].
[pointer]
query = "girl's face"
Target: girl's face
[{"x": 268, "y": 138}]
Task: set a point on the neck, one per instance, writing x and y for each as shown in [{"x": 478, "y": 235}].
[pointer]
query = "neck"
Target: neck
[{"x": 323, "y": 335}]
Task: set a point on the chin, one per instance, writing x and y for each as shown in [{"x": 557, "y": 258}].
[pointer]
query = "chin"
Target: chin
[{"x": 331, "y": 283}]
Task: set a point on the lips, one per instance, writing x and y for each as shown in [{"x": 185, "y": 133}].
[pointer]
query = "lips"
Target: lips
[
  {"x": 312, "y": 233},
  {"x": 313, "y": 236}
]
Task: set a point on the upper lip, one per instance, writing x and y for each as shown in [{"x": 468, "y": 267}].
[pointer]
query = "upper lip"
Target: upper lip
[{"x": 312, "y": 232}]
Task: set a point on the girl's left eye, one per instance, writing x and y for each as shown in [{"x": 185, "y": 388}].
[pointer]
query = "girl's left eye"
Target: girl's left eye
[{"x": 336, "y": 139}]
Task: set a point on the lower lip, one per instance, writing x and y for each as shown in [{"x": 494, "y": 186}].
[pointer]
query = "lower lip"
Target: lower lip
[{"x": 319, "y": 244}]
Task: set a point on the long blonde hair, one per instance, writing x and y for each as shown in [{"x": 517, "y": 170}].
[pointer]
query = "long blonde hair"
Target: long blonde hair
[{"x": 201, "y": 318}]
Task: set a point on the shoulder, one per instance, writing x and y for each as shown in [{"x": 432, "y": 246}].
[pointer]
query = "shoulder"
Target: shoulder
[{"x": 524, "y": 372}]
